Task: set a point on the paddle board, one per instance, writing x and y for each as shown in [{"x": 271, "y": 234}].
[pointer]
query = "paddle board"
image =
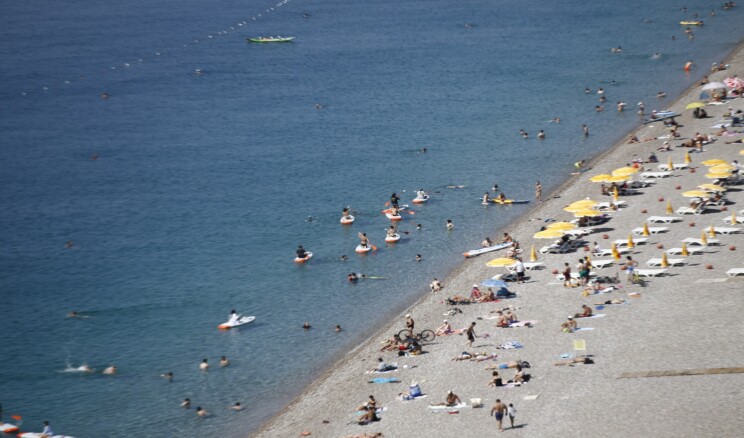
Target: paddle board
[
  {"x": 308, "y": 256},
  {"x": 480, "y": 251},
  {"x": 38, "y": 435},
  {"x": 510, "y": 201},
  {"x": 243, "y": 320},
  {"x": 347, "y": 221},
  {"x": 362, "y": 250},
  {"x": 393, "y": 217},
  {"x": 392, "y": 239},
  {"x": 401, "y": 208},
  {"x": 420, "y": 200},
  {"x": 8, "y": 428}
]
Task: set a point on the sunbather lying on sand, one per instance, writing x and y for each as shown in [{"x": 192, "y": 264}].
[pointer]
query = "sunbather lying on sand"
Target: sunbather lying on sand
[
  {"x": 571, "y": 362},
  {"x": 369, "y": 415},
  {"x": 512, "y": 364},
  {"x": 366, "y": 435},
  {"x": 612, "y": 301},
  {"x": 474, "y": 357}
]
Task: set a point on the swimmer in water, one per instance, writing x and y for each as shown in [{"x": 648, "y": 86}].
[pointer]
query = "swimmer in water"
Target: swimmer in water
[
  {"x": 418, "y": 257},
  {"x": 236, "y": 407},
  {"x": 306, "y": 326},
  {"x": 344, "y": 258},
  {"x": 84, "y": 368},
  {"x": 204, "y": 365},
  {"x": 224, "y": 362},
  {"x": 201, "y": 412},
  {"x": 110, "y": 371},
  {"x": 450, "y": 225},
  {"x": 186, "y": 403},
  {"x": 337, "y": 329},
  {"x": 69, "y": 244},
  {"x": 73, "y": 314},
  {"x": 168, "y": 376},
  {"x": 419, "y": 226}
]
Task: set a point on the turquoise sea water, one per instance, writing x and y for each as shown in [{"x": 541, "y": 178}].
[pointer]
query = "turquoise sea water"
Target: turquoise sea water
[{"x": 203, "y": 183}]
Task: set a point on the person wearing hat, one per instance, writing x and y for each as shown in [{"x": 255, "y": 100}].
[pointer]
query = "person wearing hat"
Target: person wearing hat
[
  {"x": 570, "y": 325},
  {"x": 444, "y": 329}
]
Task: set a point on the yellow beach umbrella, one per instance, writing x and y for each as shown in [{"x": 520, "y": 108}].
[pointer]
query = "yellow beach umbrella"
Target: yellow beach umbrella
[
  {"x": 587, "y": 213},
  {"x": 694, "y": 105},
  {"x": 696, "y": 194},
  {"x": 670, "y": 164},
  {"x": 533, "y": 254},
  {"x": 548, "y": 234},
  {"x": 741, "y": 152},
  {"x": 669, "y": 209},
  {"x": 500, "y": 262},
  {"x": 721, "y": 168},
  {"x": 703, "y": 239},
  {"x": 733, "y": 217},
  {"x": 718, "y": 175},
  {"x": 688, "y": 159},
  {"x": 713, "y": 162},
  {"x": 615, "y": 194},
  {"x": 645, "y": 229},
  {"x": 712, "y": 231},
  {"x": 615, "y": 252},
  {"x": 625, "y": 171},
  {"x": 600, "y": 178},
  {"x": 584, "y": 203},
  {"x": 618, "y": 178},
  {"x": 684, "y": 251},
  {"x": 664, "y": 261},
  {"x": 712, "y": 187},
  {"x": 561, "y": 226},
  {"x": 631, "y": 244}
]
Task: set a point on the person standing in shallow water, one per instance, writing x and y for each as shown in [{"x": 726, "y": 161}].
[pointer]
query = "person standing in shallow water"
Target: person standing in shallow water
[{"x": 538, "y": 191}]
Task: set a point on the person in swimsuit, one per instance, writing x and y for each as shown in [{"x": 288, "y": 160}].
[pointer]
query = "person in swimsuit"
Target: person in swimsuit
[
  {"x": 502, "y": 197},
  {"x": 204, "y": 365},
  {"x": 486, "y": 198},
  {"x": 471, "y": 334},
  {"x": 394, "y": 200},
  {"x": 444, "y": 329},
  {"x": 363, "y": 240},
  {"x": 391, "y": 231},
  {"x": 410, "y": 323},
  {"x": 569, "y": 326},
  {"x": 496, "y": 380},
  {"x": 586, "y": 313},
  {"x": 498, "y": 411},
  {"x": 224, "y": 362},
  {"x": 301, "y": 253}
]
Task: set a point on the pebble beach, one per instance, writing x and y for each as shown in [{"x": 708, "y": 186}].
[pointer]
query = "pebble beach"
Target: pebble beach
[{"x": 666, "y": 363}]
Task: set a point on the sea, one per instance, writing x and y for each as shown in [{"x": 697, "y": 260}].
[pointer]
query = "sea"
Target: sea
[{"x": 157, "y": 170}]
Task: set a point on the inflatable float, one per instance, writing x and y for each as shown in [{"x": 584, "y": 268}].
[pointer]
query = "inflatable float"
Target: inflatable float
[
  {"x": 8, "y": 428},
  {"x": 363, "y": 249},
  {"x": 346, "y": 220},
  {"x": 308, "y": 256},
  {"x": 389, "y": 210},
  {"x": 691, "y": 23},
  {"x": 392, "y": 239},
  {"x": 243, "y": 320},
  {"x": 477, "y": 252},
  {"x": 510, "y": 201},
  {"x": 394, "y": 217},
  {"x": 418, "y": 200},
  {"x": 38, "y": 435}
]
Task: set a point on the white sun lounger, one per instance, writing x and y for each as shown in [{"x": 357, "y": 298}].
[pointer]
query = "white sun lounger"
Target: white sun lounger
[
  {"x": 650, "y": 272},
  {"x": 574, "y": 275},
  {"x": 645, "y": 175},
  {"x": 690, "y": 249},
  {"x": 599, "y": 264},
  {"x": 578, "y": 232},
  {"x": 528, "y": 266},
  {"x": 696, "y": 241},
  {"x": 555, "y": 249},
  {"x": 675, "y": 166},
  {"x": 607, "y": 252},
  {"x": 672, "y": 262},
  {"x": 690, "y": 210},
  {"x": 737, "y": 220},
  {"x": 733, "y": 272},
  {"x": 637, "y": 241},
  {"x": 663, "y": 219},
  {"x": 651, "y": 230},
  {"x": 726, "y": 230},
  {"x": 608, "y": 204}
]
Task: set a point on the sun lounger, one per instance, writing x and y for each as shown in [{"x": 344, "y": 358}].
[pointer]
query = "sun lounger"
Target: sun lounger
[
  {"x": 692, "y": 250},
  {"x": 599, "y": 264},
  {"x": 528, "y": 266},
  {"x": 578, "y": 232},
  {"x": 663, "y": 219},
  {"x": 672, "y": 262},
  {"x": 695, "y": 241},
  {"x": 650, "y": 272},
  {"x": 733, "y": 272},
  {"x": 726, "y": 230},
  {"x": 608, "y": 205},
  {"x": 574, "y": 275},
  {"x": 607, "y": 252},
  {"x": 555, "y": 249},
  {"x": 675, "y": 166},
  {"x": 651, "y": 230},
  {"x": 637, "y": 241},
  {"x": 646, "y": 175},
  {"x": 690, "y": 210},
  {"x": 737, "y": 220}
]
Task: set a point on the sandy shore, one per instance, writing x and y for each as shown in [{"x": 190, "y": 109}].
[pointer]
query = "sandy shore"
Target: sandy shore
[{"x": 688, "y": 319}]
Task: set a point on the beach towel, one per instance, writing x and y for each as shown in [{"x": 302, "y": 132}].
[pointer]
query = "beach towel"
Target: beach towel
[
  {"x": 409, "y": 398},
  {"x": 598, "y": 315},
  {"x": 441, "y": 408},
  {"x": 384, "y": 380},
  {"x": 510, "y": 345},
  {"x": 378, "y": 411},
  {"x": 583, "y": 329},
  {"x": 523, "y": 323},
  {"x": 383, "y": 372}
]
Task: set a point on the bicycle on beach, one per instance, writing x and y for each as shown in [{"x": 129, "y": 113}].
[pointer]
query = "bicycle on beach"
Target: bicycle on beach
[{"x": 423, "y": 336}]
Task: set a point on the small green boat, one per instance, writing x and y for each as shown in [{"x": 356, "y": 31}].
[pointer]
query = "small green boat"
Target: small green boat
[{"x": 271, "y": 39}]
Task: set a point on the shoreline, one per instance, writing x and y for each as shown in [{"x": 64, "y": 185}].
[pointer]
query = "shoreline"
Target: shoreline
[{"x": 423, "y": 307}]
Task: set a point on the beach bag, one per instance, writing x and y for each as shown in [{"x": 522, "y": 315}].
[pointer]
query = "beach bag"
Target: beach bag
[{"x": 414, "y": 390}]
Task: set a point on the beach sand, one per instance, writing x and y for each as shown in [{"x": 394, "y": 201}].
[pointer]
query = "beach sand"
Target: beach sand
[{"x": 689, "y": 319}]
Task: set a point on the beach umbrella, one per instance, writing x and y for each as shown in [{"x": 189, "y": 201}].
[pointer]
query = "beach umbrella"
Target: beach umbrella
[
  {"x": 684, "y": 251},
  {"x": 718, "y": 175},
  {"x": 712, "y": 187},
  {"x": 600, "y": 178},
  {"x": 500, "y": 262},
  {"x": 733, "y": 217},
  {"x": 703, "y": 239},
  {"x": 562, "y": 226},
  {"x": 587, "y": 213},
  {"x": 733, "y": 82},
  {"x": 669, "y": 209},
  {"x": 688, "y": 159},
  {"x": 533, "y": 254},
  {"x": 721, "y": 168},
  {"x": 645, "y": 229},
  {"x": 664, "y": 261},
  {"x": 548, "y": 234},
  {"x": 694, "y": 105},
  {"x": 584, "y": 203},
  {"x": 615, "y": 194},
  {"x": 615, "y": 252},
  {"x": 713, "y": 162},
  {"x": 670, "y": 164},
  {"x": 741, "y": 152},
  {"x": 618, "y": 178},
  {"x": 714, "y": 86},
  {"x": 625, "y": 171},
  {"x": 696, "y": 194},
  {"x": 712, "y": 231},
  {"x": 493, "y": 283},
  {"x": 631, "y": 244}
]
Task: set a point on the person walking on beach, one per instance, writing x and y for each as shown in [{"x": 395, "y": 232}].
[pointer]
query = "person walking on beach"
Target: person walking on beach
[
  {"x": 512, "y": 412},
  {"x": 538, "y": 191},
  {"x": 471, "y": 334},
  {"x": 630, "y": 266},
  {"x": 498, "y": 410},
  {"x": 567, "y": 275}
]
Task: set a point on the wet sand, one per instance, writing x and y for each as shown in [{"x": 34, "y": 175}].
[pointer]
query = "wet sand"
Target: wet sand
[{"x": 688, "y": 319}]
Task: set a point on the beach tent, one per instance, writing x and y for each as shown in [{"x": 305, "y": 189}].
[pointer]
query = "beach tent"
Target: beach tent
[{"x": 500, "y": 289}]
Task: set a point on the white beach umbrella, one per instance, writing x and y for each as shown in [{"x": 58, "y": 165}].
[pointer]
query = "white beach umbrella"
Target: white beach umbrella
[{"x": 714, "y": 86}]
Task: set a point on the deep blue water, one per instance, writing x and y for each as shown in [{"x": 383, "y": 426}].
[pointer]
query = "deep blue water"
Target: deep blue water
[{"x": 204, "y": 182}]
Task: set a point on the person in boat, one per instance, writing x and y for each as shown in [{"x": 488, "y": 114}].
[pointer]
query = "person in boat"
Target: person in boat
[
  {"x": 507, "y": 238},
  {"x": 502, "y": 197},
  {"x": 363, "y": 240},
  {"x": 301, "y": 253},
  {"x": 486, "y": 198},
  {"x": 486, "y": 243},
  {"x": 394, "y": 200},
  {"x": 392, "y": 232},
  {"x": 421, "y": 194}
]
